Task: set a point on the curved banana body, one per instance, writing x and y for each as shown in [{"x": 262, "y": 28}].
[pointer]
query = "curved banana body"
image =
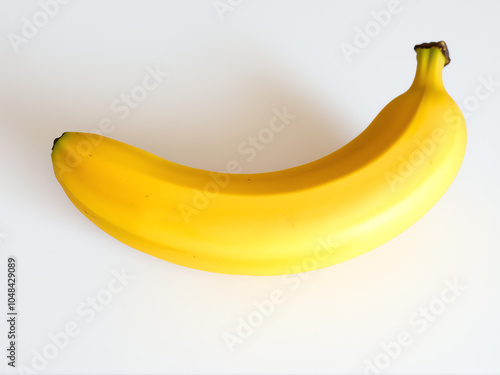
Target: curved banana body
[{"x": 282, "y": 222}]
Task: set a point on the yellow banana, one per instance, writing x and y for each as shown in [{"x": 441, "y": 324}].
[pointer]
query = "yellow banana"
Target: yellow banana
[{"x": 282, "y": 222}]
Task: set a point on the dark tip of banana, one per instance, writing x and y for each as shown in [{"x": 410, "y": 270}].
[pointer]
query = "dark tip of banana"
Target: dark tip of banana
[
  {"x": 55, "y": 140},
  {"x": 442, "y": 47}
]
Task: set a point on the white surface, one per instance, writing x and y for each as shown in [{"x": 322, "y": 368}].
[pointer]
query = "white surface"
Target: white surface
[{"x": 225, "y": 78}]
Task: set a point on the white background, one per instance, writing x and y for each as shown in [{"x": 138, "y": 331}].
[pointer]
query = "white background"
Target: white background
[{"x": 226, "y": 75}]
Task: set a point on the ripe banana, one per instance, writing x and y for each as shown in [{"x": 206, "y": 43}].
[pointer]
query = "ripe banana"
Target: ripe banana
[{"x": 282, "y": 222}]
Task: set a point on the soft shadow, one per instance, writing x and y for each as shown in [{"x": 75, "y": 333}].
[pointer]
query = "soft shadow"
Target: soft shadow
[{"x": 202, "y": 115}]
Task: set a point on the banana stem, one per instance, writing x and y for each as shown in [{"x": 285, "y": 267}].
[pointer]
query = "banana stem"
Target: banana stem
[{"x": 431, "y": 59}]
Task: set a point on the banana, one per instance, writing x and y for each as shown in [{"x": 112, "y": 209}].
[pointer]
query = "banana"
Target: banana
[{"x": 294, "y": 220}]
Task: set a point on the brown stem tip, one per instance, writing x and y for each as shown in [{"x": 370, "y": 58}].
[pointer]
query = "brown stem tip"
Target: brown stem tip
[{"x": 442, "y": 47}]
